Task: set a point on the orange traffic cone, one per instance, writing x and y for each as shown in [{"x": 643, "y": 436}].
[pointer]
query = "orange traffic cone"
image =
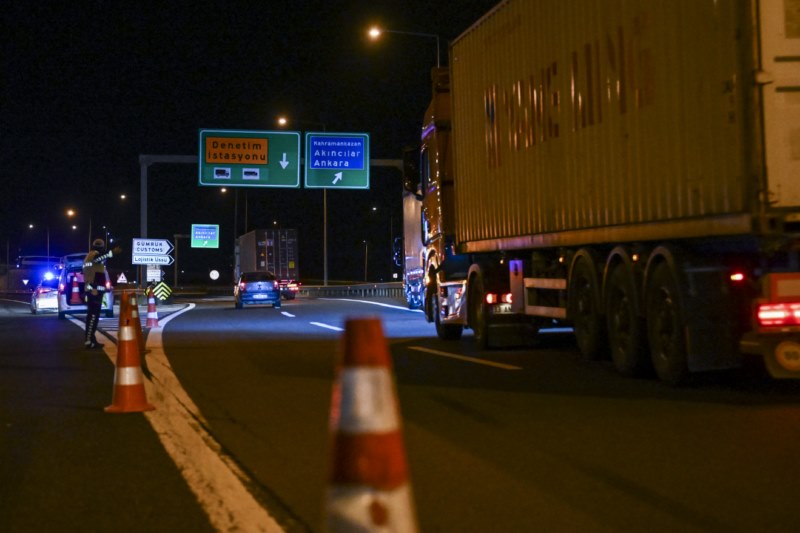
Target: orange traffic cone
[
  {"x": 75, "y": 296},
  {"x": 129, "y": 394},
  {"x": 152, "y": 314},
  {"x": 369, "y": 488}
]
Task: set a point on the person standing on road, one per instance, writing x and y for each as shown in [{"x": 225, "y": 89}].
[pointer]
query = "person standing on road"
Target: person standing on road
[{"x": 94, "y": 278}]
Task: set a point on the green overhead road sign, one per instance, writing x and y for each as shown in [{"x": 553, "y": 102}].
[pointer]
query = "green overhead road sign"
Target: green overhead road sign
[
  {"x": 337, "y": 161},
  {"x": 234, "y": 158}
]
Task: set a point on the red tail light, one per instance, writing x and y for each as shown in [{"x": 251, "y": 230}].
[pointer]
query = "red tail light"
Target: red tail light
[
  {"x": 108, "y": 285},
  {"x": 60, "y": 288},
  {"x": 780, "y": 314},
  {"x": 492, "y": 299},
  {"x": 242, "y": 286}
]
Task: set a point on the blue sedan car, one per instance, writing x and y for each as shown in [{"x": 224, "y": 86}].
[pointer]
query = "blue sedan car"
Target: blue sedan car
[{"x": 257, "y": 288}]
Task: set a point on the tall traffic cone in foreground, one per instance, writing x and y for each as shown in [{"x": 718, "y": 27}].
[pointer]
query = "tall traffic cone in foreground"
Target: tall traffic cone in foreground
[
  {"x": 75, "y": 295},
  {"x": 368, "y": 488},
  {"x": 129, "y": 394},
  {"x": 152, "y": 314}
]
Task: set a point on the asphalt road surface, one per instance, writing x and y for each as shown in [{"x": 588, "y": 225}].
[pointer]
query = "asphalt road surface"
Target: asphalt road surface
[{"x": 504, "y": 440}]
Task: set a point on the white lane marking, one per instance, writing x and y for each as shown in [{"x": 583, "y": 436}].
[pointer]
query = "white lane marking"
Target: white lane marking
[
  {"x": 217, "y": 482},
  {"x": 400, "y": 307},
  {"x": 465, "y": 358},
  {"x": 285, "y": 313},
  {"x": 326, "y": 326}
]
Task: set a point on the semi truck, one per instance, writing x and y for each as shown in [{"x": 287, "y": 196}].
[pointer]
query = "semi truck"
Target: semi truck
[
  {"x": 272, "y": 250},
  {"x": 628, "y": 169}
]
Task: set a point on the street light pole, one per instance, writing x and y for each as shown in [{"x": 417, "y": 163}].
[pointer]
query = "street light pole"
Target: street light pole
[
  {"x": 366, "y": 254},
  {"x": 283, "y": 121}
]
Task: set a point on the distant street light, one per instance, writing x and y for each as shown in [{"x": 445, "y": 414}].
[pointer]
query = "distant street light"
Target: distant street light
[
  {"x": 283, "y": 122},
  {"x": 374, "y": 211},
  {"x": 375, "y": 33},
  {"x": 47, "y": 229}
]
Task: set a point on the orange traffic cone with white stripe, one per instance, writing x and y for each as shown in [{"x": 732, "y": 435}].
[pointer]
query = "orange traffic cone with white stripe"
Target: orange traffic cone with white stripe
[
  {"x": 129, "y": 394},
  {"x": 152, "y": 314},
  {"x": 75, "y": 295},
  {"x": 369, "y": 489}
]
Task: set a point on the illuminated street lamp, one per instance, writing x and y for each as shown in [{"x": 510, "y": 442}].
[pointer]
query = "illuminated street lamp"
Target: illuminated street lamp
[
  {"x": 283, "y": 122},
  {"x": 375, "y": 33}
]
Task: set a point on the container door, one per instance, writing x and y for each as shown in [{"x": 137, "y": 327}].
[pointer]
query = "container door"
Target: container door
[{"x": 780, "y": 59}]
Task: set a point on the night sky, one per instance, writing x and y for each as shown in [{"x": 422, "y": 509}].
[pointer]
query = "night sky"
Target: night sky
[{"x": 89, "y": 86}]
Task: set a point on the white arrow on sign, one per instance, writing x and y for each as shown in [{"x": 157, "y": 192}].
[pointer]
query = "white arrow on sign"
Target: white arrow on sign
[
  {"x": 337, "y": 177},
  {"x": 151, "y": 259},
  {"x": 284, "y": 162},
  {"x": 151, "y": 246}
]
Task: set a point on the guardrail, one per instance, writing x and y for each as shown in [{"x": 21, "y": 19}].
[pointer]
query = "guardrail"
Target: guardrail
[
  {"x": 378, "y": 290},
  {"x": 365, "y": 290}
]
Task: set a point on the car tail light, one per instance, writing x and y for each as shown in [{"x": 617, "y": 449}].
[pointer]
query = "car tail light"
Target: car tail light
[
  {"x": 61, "y": 288},
  {"x": 108, "y": 285},
  {"x": 242, "y": 286},
  {"x": 779, "y": 314}
]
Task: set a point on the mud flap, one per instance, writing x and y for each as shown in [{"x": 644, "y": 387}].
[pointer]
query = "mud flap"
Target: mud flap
[{"x": 711, "y": 340}]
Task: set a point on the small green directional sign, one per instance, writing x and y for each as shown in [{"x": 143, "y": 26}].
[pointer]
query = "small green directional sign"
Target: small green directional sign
[
  {"x": 337, "y": 160},
  {"x": 239, "y": 158},
  {"x": 205, "y": 235}
]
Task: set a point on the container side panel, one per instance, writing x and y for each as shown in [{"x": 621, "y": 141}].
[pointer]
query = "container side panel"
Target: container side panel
[
  {"x": 781, "y": 61},
  {"x": 575, "y": 114}
]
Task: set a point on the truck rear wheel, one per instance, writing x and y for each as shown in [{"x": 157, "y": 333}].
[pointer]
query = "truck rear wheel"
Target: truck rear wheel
[
  {"x": 665, "y": 326},
  {"x": 626, "y": 329},
  {"x": 585, "y": 310}
]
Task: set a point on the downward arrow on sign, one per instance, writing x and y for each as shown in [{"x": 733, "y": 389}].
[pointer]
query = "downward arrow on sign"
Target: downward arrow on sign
[{"x": 284, "y": 162}]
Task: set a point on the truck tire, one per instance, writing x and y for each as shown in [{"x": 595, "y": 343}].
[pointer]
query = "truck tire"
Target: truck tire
[
  {"x": 446, "y": 332},
  {"x": 478, "y": 319},
  {"x": 590, "y": 330},
  {"x": 665, "y": 330},
  {"x": 626, "y": 329}
]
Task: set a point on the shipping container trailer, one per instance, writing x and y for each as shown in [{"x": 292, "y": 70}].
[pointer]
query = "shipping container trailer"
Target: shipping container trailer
[{"x": 629, "y": 168}]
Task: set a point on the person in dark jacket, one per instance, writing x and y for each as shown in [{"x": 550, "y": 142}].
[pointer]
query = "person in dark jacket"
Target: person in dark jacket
[{"x": 94, "y": 279}]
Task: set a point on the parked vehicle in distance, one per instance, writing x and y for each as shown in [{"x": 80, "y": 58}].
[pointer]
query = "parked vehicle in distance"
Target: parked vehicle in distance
[
  {"x": 45, "y": 296},
  {"x": 73, "y": 270},
  {"x": 289, "y": 288},
  {"x": 257, "y": 288}
]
